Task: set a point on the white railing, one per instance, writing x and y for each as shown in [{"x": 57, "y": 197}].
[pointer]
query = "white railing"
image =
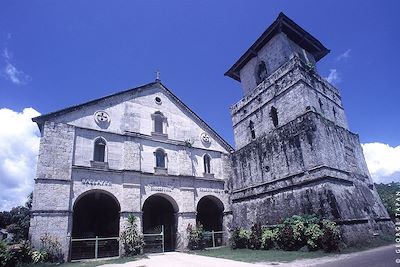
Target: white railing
[
  {"x": 153, "y": 241},
  {"x": 215, "y": 239},
  {"x": 93, "y": 248}
]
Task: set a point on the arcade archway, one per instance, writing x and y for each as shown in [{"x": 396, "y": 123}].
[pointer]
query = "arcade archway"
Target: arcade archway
[
  {"x": 210, "y": 213},
  {"x": 160, "y": 210},
  {"x": 95, "y": 216}
]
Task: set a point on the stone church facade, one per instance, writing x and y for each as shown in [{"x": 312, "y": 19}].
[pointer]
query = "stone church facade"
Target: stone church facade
[
  {"x": 144, "y": 152},
  {"x": 152, "y": 147}
]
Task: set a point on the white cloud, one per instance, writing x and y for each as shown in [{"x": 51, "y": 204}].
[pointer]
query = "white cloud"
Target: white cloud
[
  {"x": 10, "y": 72},
  {"x": 333, "y": 76},
  {"x": 19, "y": 146},
  {"x": 344, "y": 56},
  {"x": 383, "y": 161}
]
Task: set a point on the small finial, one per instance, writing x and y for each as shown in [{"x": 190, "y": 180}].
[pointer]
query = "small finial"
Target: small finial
[{"x": 158, "y": 76}]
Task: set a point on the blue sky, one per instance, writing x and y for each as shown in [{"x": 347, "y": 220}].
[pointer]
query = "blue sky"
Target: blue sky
[{"x": 59, "y": 53}]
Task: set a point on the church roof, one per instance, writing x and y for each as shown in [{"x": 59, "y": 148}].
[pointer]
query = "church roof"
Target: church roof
[
  {"x": 42, "y": 118},
  {"x": 292, "y": 30}
]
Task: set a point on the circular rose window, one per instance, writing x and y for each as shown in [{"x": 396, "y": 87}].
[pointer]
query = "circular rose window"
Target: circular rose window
[{"x": 158, "y": 100}]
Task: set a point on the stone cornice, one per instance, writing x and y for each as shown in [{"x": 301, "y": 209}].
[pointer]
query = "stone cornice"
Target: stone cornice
[
  {"x": 50, "y": 180},
  {"x": 247, "y": 194},
  {"x": 51, "y": 212},
  {"x": 307, "y": 113},
  {"x": 312, "y": 176},
  {"x": 143, "y": 174}
]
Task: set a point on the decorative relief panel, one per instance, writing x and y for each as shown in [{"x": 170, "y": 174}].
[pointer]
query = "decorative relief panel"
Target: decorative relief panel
[
  {"x": 205, "y": 139},
  {"x": 102, "y": 118}
]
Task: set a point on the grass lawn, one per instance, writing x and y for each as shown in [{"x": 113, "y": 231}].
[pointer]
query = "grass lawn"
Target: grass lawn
[
  {"x": 249, "y": 255},
  {"x": 274, "y": 255},
  {"x": 89, "y": 263}
]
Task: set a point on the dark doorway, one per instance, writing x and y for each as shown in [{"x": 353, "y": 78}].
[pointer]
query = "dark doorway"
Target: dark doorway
[
  {"x": 210, "y": 213},
  {"x": 96, "y": 214},
  {"x": 157, "y": 211}
]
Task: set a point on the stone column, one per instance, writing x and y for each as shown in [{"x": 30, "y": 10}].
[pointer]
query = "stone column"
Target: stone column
[
  {"x": 184, "y": 219},
  {"x": 227, "y": 225}
]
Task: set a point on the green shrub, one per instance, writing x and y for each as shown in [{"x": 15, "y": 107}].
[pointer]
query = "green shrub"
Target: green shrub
[
  {"x": 131, "y": 240},
  {"x": 255, "y": 236},
  {"x": 239, "y": 238},
  {"x": 268, "y": 237},
  {"x": 196, "y": 237},
  {"x": 296, "y": 232},
  {"x": 21, "y": 252},
  {"x": 5, "y": 255},
  {"x": 12, "y": 255}
]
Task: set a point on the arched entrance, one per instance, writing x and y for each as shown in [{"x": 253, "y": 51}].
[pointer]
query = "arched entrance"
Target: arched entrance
[
  {"x": 160, "y": 210},
  {"x": 210, "y": 213},
  {"x": 95, "y": 216}
]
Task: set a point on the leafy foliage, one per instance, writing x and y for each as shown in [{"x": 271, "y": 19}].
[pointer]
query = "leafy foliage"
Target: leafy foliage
[
  {"x": 196, "y": 237},
  {"x": 131, "y": 239},
  {"x": 239, "y": 238},
  {"x": 313, "y": 234},
  {"x": 387, "y": 192},
  {"x": 4, "y": 254},
  {"x": 269, "y": 237},
  {"x": 17, "y": 220}
]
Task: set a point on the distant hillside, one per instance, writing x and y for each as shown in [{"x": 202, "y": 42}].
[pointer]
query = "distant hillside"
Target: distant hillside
[{"x": 387, "y": 192}]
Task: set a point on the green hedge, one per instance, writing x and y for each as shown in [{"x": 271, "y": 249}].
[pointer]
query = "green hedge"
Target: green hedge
[{"x": 296, "y": 232}]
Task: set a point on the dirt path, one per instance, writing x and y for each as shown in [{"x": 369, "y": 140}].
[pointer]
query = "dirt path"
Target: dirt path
[{"x": 177, "y": 259}]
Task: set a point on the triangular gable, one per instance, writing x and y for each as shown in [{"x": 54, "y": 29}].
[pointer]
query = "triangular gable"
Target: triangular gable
[{"x": 41, "y": 119}]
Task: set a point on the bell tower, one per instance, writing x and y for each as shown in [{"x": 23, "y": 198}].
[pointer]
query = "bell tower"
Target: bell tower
[{"x": 294, "y": 151}]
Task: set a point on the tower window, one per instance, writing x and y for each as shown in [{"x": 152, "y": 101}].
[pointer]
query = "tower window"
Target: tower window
[
  {"x": 99, "y": 150},
  {"x": 158, "y": 118},
  {"x": 261, "y": 72},
  {"x": 252, "y": 131},
  {"x": 334, "y": 112},
  {"x": 274, "y": 116},
  {"x": 321, "y": 105},
  {"x": 207, "y": 163},
  {"x": 160, "y": 158}
]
